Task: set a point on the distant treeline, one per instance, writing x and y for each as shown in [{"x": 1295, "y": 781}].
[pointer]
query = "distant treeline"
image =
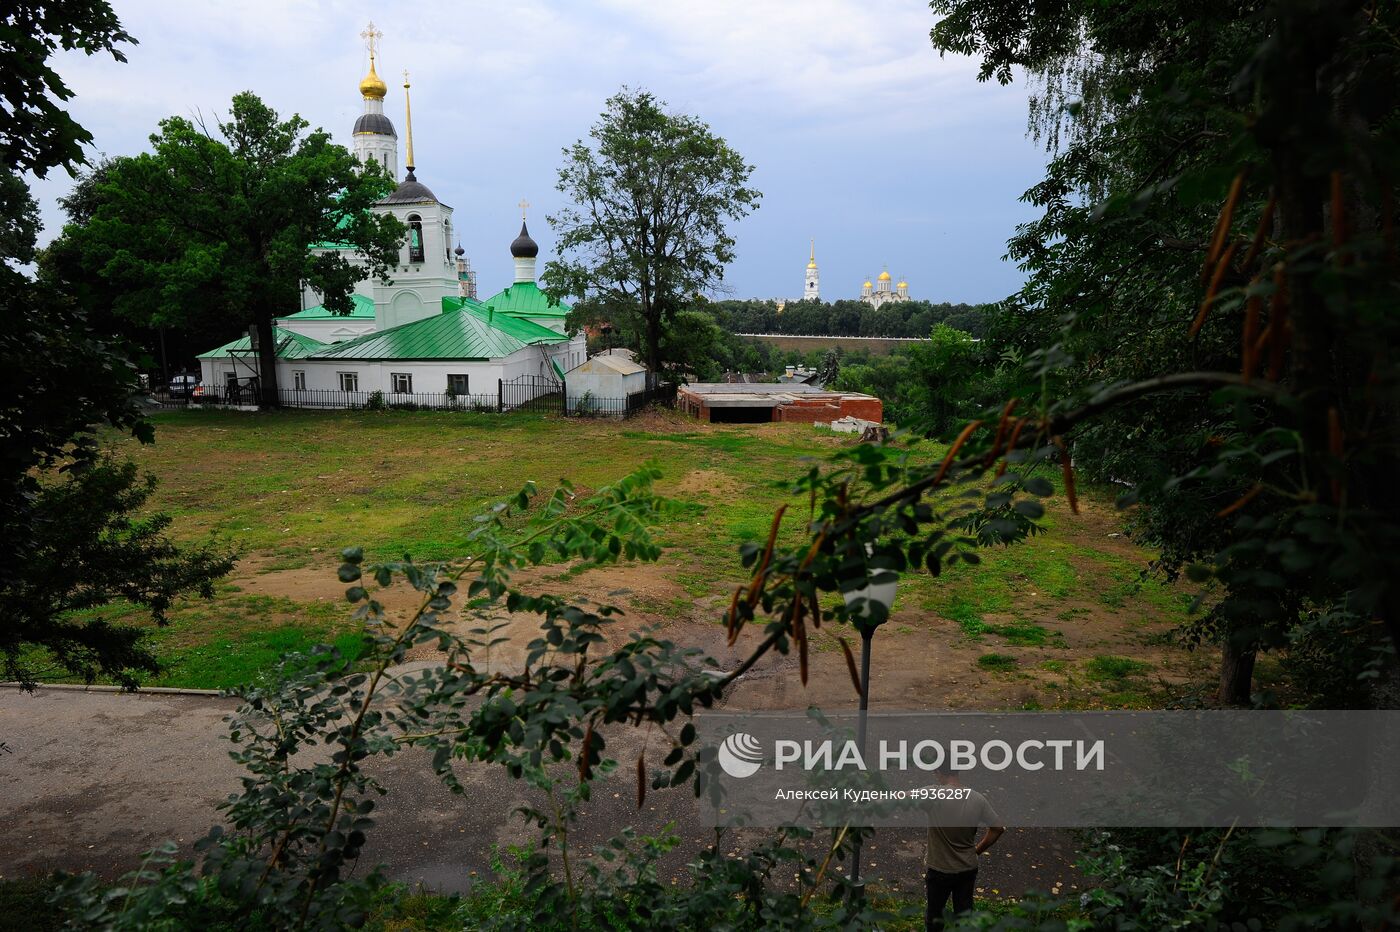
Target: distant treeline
[{"x": 849, "y": 318}]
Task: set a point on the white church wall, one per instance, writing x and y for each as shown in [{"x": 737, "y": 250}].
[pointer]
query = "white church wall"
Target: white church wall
[{"x": 426, "y": 377}]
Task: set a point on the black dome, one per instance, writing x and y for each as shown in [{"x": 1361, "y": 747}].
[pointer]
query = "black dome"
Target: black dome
[
  {"x": 459, "y": 250},
  {"x": 410, "y": 191},
  {"x": 522, "y": 247},
  {"x": 376, "y": 123}
]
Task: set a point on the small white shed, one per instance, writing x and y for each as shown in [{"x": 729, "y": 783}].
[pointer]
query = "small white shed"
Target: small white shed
[{"x": 601, "y": 384}]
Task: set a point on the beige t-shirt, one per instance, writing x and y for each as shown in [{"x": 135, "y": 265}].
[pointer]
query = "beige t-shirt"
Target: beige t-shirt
[{"x": 952, "y": 843}]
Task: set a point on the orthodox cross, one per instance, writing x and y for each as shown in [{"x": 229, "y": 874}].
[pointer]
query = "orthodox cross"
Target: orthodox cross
[
  {"x": 371, "y": 37},
  {"x": 524, "y": 205}
]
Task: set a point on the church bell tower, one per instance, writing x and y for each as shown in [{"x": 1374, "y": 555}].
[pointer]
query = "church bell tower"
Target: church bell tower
[
  {"x": 374, "y": 136},
  {"x": 811, "y": 290}
]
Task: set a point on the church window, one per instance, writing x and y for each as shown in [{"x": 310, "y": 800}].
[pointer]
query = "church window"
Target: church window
[
  {"x": 349, "y": 381},
  {"x": 415, "y": 238},
  {"x": 402, "y": 383},
  {"x": 299, "y": 380},
  {"x": 457, "y": 385}
]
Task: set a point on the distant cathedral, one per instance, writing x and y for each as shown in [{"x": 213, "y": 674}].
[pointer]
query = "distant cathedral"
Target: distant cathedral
[
  {"x": 874, "y": 294},
  {"x": 881, "y": 293}
]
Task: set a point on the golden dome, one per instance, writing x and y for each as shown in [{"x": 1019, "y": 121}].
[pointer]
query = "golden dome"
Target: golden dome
[
  {"x": 902, "y": 284},
  {"x": 884, "y": 276},
  {"x": 373, "y": 86},
  {"x": 812, "y": 264},
  {"x": 868, "y": 284}
]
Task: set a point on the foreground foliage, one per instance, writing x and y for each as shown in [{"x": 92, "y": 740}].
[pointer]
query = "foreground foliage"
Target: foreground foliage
[{"x": 1221, "y": 198}]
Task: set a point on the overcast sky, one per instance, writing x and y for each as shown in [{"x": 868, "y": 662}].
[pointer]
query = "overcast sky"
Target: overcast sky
[{"x": 861, "y": 136}]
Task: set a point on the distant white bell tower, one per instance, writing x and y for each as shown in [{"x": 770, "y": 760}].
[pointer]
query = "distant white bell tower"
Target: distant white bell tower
[{"x": 811, "y": 290}]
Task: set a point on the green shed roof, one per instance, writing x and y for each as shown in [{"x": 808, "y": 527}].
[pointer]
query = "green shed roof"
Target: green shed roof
[
  {"x": 363, "y": 309},
  {"x": 289, "y": 346},
  {"x": 525, "y": 299},
  {"x": 464, "y": 330}
]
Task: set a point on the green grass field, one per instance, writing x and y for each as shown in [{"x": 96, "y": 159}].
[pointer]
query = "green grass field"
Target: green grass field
[{"x": 290, "y": 489}]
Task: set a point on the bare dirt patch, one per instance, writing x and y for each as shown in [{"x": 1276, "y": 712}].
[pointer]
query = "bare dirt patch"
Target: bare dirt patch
[{"x": 710, "y": 482}]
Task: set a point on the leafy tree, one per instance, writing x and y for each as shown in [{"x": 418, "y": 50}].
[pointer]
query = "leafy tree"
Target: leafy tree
[
  {"x": 93, "y": 518},
  {"x": 849, "y": 318},
  {"x": 648, "y": 228},
  {"x": 69, "y": 536},
  {"x": 745, "y": 316},
  {"x": 845, "y": 317},
  {"x": 930, "y": 387},
  {"x": 219, "y": 228},
  {"x": 694, "y": 344},
  {"x": 63, "y": 266},
  {"x": 803, "y": 317},
  {"x": 1274, "y": 124},
  {"x": 36, "y": 133}
]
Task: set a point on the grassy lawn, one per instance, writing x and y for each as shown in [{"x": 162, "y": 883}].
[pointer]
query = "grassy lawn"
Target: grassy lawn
[{"x": 290, "y": 489}]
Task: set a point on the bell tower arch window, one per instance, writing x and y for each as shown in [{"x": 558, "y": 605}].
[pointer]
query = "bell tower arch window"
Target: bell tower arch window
[{"x": 415, "y": 238}]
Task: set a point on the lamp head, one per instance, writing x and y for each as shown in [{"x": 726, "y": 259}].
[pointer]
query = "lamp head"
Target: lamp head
[{"x": 869, "y": 603}]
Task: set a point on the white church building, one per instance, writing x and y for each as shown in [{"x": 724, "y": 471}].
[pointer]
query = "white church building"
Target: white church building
[{"x": 425, "y": 332}]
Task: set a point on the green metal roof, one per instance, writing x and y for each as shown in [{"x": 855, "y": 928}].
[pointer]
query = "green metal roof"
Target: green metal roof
[
  {"x": 464, "y": 330},
  {"x": 289, "y": 346},
  {"x": 363, "y": 309},
  {"x": 525, "y": 299}
]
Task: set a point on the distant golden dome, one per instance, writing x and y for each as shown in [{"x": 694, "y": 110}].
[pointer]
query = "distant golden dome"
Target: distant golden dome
[
  {"x": 868, "y": 284},
  {"x": 902, "y": 284},
  {"x": 373, "y": 86},
  {"x": 812, "y": 264},
  {"x": 884, "y": 276}
]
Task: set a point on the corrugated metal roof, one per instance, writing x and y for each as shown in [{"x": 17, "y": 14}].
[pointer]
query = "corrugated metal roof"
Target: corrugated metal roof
[
  {"x": 525, "y": 299},
  {"x": 464, "y": 330},
  {"x": 289, "y": 346},
  {"x": 363, "y": 309}
]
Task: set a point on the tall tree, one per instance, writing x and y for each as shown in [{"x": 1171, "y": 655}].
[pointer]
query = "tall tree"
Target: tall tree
[
  {"x": 1274, "y": 124},
  {"x": 70, "y": 535},
  {"x": 648, "y": 228},
  {"x": 221, "y": 225}
]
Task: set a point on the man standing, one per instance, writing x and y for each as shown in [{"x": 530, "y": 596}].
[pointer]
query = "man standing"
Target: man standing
[{"x": 953, "y": 848}]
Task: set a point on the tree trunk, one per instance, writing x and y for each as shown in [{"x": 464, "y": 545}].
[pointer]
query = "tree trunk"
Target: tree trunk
[
  {"x": 267, "y": 361},
  {"x": 1236, "y": 672},
  {"x": 652, "y": 315}
]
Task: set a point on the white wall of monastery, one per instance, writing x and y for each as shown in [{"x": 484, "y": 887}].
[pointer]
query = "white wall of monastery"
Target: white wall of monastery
[{"x": 428, "y": 377}]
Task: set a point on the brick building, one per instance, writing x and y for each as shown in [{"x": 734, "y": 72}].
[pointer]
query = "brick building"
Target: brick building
[{"x": 750, "y": 403}]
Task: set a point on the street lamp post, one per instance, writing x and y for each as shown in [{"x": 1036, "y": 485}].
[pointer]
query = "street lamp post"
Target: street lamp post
[{"x": 860, "y": 602}]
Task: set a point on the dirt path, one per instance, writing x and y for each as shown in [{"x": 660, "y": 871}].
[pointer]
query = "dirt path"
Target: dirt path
[{"x": 91, "y": 780}]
